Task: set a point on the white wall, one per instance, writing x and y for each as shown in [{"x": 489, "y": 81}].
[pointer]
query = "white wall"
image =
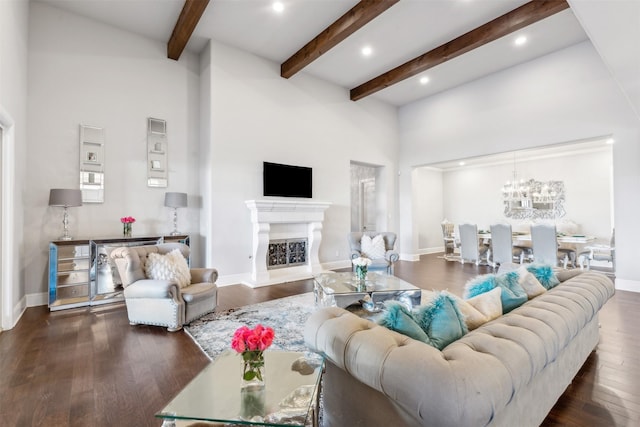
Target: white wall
[
  {"x": 428, "y": 194},
  {"x": 473, "y": 194},
  {"x": 84, "y": 72},
  {"x": 13, "y": 101},
  {"x": 257, "y": 116},
  {"x": 565, "y": 96}
]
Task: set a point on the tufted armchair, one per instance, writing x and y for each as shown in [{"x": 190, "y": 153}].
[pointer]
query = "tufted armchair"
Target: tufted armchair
[
  {"x": 390, "y": 255},
  {"x": 163, "y": 302}
]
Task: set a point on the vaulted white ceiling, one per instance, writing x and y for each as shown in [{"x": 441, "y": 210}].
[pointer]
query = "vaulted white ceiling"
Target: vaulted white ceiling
[{"x": 405, "y": 31}]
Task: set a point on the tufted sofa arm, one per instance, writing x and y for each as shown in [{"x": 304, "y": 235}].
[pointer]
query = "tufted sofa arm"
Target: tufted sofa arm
[{"x": 482, "y": 378}]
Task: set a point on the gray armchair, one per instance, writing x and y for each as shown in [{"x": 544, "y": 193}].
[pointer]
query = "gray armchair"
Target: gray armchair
[
  {"x": 163, "y": 302},
  {"x": 390, "y": 255}
]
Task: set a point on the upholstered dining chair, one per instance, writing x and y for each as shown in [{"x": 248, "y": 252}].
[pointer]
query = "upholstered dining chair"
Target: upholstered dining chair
[
  {"x": 164, "y": 302},
  {"x": 599, "y": 252},
  {"x": 470, "y": 247},
  {"x": 449, "y": 238},
  {"x": 382, "y": 257},
  {"x": 502, "y": 249},
  {"x": 544, "y": 242}
]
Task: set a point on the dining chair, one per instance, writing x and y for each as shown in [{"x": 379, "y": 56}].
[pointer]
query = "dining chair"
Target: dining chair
[
  {"x": 600, "y": 253},
  {"x": 544, "y": 242},
  {"x": 449, "y": 238},
  {"x": 502, "y": 249},
  {"x": 470, "y": 247}
]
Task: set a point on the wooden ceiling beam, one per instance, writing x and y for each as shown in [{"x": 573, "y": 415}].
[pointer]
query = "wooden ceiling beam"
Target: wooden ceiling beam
[
  {"x": 189, "y": 16},
  {"x": 526, "y": 14},
  {"x": 356, "y": 18}
]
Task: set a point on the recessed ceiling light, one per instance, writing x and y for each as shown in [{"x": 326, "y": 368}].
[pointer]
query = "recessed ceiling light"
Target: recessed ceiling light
[
  {"x": 367, "y": 51},
  {"x": 461, "y": 164},
  {"x": 278, "y": 6},
  {"x": 424, "y": 80},
  {"x": 520, "y": 40},
  {"x": 610, "y": 141}
]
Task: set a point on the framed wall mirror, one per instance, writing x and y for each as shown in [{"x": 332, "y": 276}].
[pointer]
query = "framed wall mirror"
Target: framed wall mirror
[
  {"x": 92, "y": 164},
  {"x": 157, "y": 168},
  {"x": 534, "y": 199}
]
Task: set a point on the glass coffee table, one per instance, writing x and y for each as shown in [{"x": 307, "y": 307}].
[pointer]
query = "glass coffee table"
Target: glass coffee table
[
  {"x": 343, "y": 289},
  {"x": 290, "y": 396}
]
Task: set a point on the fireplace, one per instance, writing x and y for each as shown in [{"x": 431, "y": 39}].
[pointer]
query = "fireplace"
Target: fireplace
[
  {"x": 286, "y": 239},
  {"x": 284, "y": 253}
]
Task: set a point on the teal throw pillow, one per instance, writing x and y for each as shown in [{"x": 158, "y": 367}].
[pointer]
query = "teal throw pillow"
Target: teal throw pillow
[
  {"x": 545, "y": 275},
  {"x": 441, "y": 320},
  {"x": 513, "y": 295},
  {"x": 479, "y": 285},
  {"x": 398, "y": 318}
]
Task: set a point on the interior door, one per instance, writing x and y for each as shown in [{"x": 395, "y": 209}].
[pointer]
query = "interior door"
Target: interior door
[{"x": 368, "y": 204}]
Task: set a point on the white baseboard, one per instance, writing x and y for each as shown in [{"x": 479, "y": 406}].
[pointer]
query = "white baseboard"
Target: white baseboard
[
  {"x": 232, "y": 279},
  {"x": 34, "y": 300},
  {"x": 18, "y": 311},
  {"x": 410, "y": 257},
  {"x": 426, "y": 251},
  {"x": 627, "y": 285}
]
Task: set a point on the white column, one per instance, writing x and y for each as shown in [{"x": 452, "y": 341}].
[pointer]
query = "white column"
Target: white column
[
  {"x": 314, "y": 237},
  {"x": 260, "y": 247}
]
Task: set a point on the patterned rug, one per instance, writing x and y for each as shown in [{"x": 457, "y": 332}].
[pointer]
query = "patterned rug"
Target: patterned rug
[{"x": 286, "y": 316}]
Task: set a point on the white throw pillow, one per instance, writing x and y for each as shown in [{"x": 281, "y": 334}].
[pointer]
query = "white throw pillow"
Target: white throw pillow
[
  {"x": 171, "y": 266},
  {"x": 373, "y": 248},
  {"x": 529, "y": 283}
]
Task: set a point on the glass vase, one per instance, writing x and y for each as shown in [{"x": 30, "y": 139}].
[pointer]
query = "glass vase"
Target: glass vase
[
  {"x": 126, "y": 229},
  {"x": 253, "y": 370},
  {"x": 361, "y": 272}
]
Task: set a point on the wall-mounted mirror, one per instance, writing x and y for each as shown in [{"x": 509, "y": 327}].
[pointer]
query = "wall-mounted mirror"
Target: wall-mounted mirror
[
  {"x": 157, "y": 167},
  {"x": 534, "y": 199},
  {"x": 92, "y": 164}
]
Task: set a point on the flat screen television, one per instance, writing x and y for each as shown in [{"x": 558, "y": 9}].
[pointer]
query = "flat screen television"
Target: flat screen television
[{"x": 286, "y": 180}]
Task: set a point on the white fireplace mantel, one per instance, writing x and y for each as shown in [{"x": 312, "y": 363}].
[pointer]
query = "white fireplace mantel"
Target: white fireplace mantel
[{"x": 264, "y": 214}]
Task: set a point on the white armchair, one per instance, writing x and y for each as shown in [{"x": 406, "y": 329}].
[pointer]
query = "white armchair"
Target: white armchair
[
  {"x": 386, "y": 260},
  {"x": 163, "y": 302}
]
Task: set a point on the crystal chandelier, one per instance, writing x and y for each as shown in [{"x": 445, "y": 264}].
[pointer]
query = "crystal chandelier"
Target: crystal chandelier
[{"x": 516, "y": 192}]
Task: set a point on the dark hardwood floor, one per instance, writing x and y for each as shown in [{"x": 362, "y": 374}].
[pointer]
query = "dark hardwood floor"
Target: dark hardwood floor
[{"x": 88, "y": 367}]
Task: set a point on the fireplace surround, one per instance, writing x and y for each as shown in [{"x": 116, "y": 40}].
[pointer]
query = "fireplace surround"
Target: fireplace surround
[{"x": 290, "y": 220}]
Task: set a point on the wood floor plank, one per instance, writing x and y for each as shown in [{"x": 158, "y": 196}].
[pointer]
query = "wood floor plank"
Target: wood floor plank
[{"x": 89, "y": 367}]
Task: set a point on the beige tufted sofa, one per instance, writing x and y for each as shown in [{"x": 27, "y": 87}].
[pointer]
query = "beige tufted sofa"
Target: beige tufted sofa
[
  {"x": 508, "y": 372},
  {"x": 161, "y": 302}
]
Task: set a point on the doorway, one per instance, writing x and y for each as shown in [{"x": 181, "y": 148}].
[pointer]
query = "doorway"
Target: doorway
[{"x": 364, "y": 199}]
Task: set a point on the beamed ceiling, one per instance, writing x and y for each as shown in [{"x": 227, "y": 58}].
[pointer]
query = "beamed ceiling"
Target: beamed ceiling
[{"x": 450, "y": 42}]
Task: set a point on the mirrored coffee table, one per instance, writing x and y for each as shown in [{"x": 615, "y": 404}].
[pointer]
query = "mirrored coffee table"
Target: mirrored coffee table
[
  {"x": 290, "y": 396},
  {"x": 344, "y": 289}
]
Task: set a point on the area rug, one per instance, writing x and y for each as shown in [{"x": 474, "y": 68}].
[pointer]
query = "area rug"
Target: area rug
[{"x": 286, "y": 316}]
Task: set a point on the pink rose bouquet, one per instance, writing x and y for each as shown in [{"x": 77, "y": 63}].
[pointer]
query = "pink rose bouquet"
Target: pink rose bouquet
[
  {"x": 251, "y": 343},
  {"x": 126, "y": 225}
]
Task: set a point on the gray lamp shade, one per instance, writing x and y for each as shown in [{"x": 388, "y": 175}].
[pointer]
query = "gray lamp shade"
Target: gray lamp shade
[
  {"x": 65, "y": 197},
  {"x": 175, "y": 200}
]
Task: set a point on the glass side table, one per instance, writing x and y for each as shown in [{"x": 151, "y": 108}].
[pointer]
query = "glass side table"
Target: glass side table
[{"x": 290, "y": 397}]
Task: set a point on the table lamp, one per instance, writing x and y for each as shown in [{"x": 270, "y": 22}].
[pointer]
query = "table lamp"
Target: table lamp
[
  {"x": 65, "y": 197},
  {"x": 175, "y": 201}
]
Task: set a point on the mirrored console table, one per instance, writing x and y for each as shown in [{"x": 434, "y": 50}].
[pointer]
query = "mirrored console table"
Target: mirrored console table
[{"x": 82, "y": 274}]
